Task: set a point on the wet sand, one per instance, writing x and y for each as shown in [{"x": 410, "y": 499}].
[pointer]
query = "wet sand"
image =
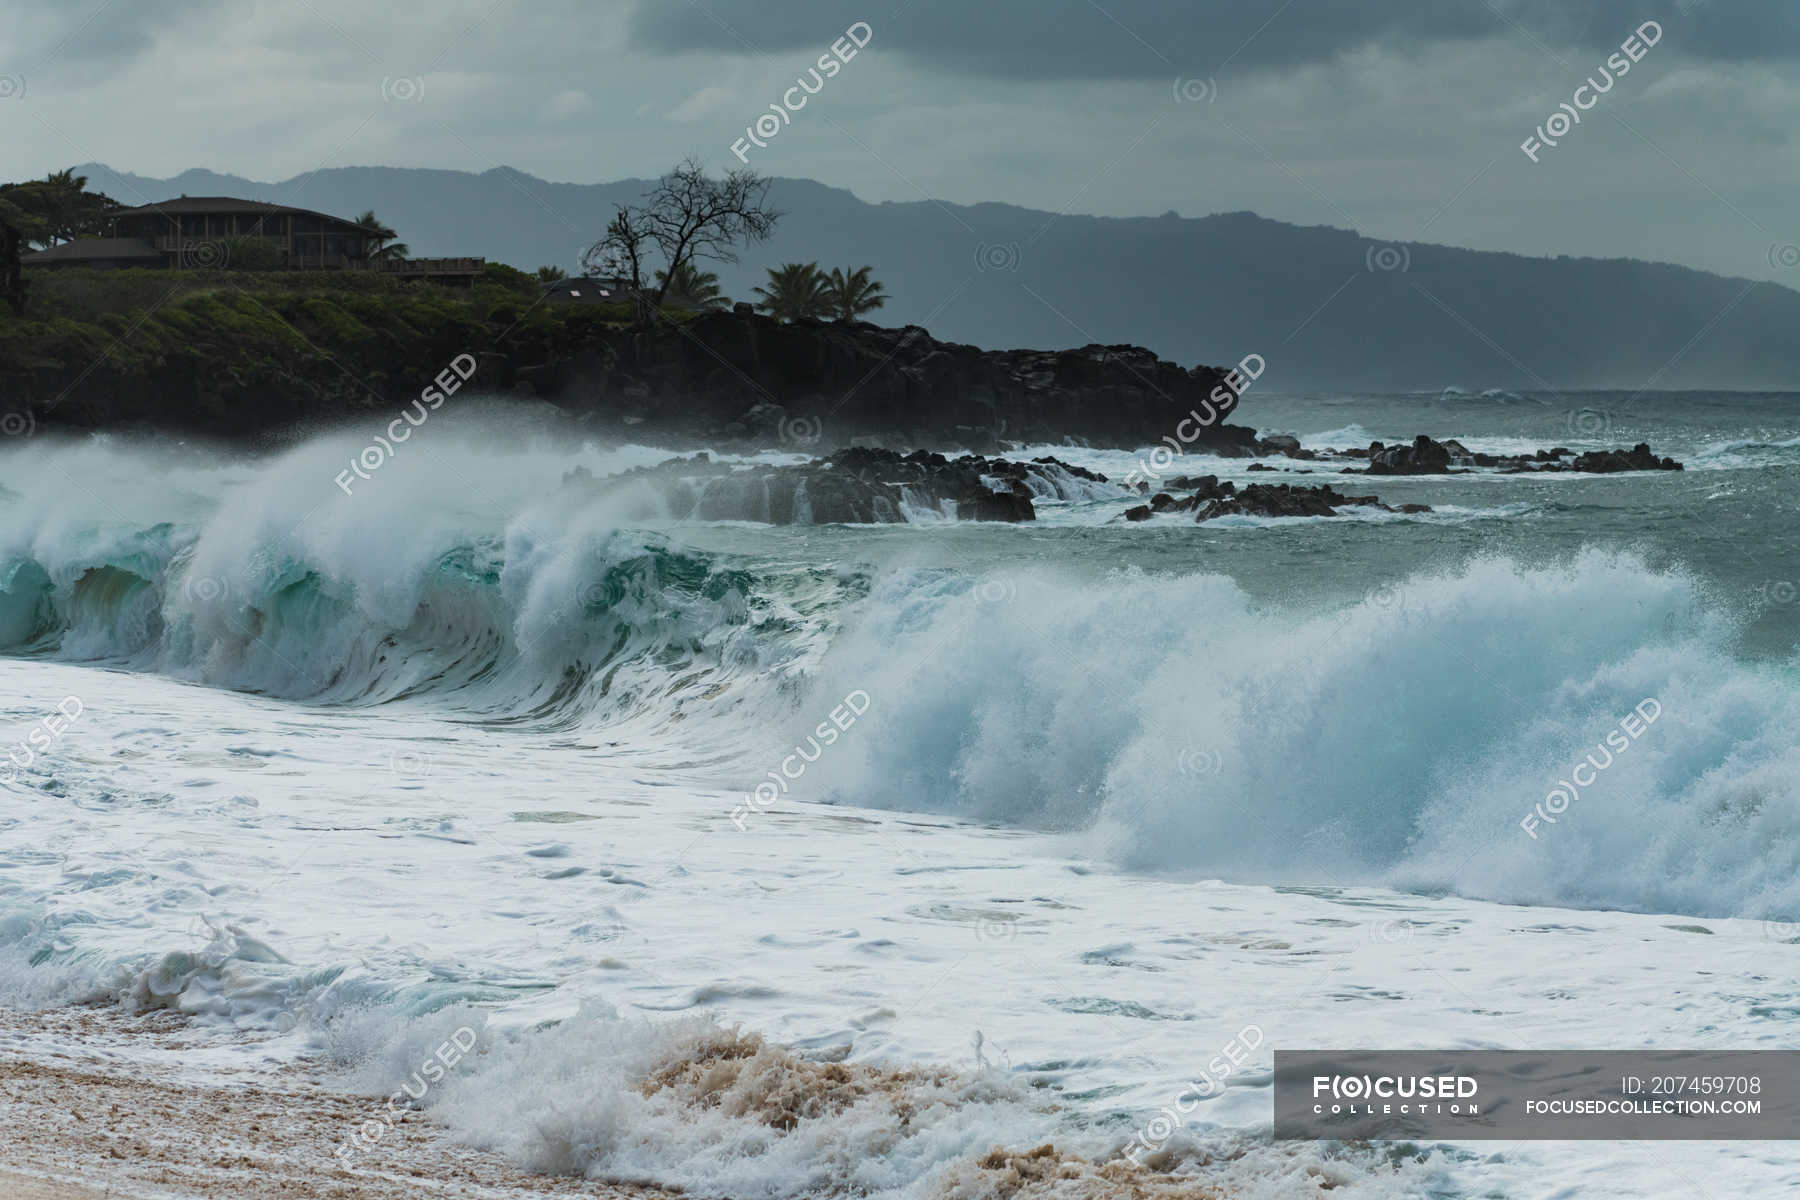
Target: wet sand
[{"x": 94, "y": 1103}]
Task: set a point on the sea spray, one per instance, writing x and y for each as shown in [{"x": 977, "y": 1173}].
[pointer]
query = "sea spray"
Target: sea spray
[
  {"x": 1370, "y": 743},
  {"x": 1567, "y": 791}
]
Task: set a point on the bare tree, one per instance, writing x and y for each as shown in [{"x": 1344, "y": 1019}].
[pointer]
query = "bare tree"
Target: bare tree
[
  {"x": 688, "y": 215},
  {"x": 621, "y": 254}
]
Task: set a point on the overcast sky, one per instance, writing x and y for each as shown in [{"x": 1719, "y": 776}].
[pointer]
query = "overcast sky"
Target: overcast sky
[{"x": 1400, "y": 118}]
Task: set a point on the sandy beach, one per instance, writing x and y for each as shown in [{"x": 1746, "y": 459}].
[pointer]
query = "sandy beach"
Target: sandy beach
[{"x": 97, "y": 1103}]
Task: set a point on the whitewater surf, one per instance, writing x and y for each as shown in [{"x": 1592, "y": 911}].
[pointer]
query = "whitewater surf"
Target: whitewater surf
[{"x": 758, "y": 859}]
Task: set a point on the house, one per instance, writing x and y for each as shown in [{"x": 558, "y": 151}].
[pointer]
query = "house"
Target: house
[
  {"x": 191, "y": 232},
  {"x": 605, "y": 290},
  {"x": 588, "y": 290}
]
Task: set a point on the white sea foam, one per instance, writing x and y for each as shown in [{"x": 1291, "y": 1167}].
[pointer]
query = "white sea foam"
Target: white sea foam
[
  {"x": 512, "y": 809},
  {"x": 1377, "y": 744}
]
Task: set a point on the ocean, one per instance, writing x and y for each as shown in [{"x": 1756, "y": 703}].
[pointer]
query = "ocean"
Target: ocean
[{"x": 926, "y": 837}]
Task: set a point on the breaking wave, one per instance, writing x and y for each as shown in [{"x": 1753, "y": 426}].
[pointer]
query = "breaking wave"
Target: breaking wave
[
  {"x": 1400, "y": 741},
  {"x": 1161, "y": 720}
]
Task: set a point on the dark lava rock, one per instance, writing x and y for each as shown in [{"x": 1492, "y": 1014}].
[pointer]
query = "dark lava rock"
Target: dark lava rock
[
  {"x": 1423, "y": 457},
  {"x": 860, "y": 485},
  {"x": 1217, "y": 499},
  {"x": 1638, "y": 458},
  {"x": 996, "y": 506},
  {"x": 1281, "y": 500},
  {"x": 1195, "y": 483},
  {"x": 1284, "y": 444}
]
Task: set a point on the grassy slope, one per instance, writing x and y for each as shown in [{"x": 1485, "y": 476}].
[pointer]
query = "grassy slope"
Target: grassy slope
[{"x": 135, "y": 320}]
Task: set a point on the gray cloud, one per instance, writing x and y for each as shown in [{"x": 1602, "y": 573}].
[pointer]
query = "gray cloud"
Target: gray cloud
[
  {"x": 121, "y": 30},
  {"x": 1128, "y": 39}
]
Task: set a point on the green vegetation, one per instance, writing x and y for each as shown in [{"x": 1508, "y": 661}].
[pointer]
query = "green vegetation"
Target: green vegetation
[
  {"x": 691, "y": 283},
  {"x": 800, "y": 291},
  {"x": 42, "y": 213},
  {"x": 795, "y": 292},
  {"x": 238, "y": 320},
  {"x": 850, "y": 294},
  {"x": 378, "y": 243},
  {"x": 65, "y": 209}
]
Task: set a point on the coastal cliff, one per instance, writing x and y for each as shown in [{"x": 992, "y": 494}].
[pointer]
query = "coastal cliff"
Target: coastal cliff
[{"x": 258, "y": 358}]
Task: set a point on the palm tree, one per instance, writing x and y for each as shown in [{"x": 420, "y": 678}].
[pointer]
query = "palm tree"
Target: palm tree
[
  {"x": 700, "y": 289},
  {"x": 551, "y": 274},
  {"x": 65, "y": 208},
  {"x": 378, "y": 239},
  {"x": 849, "y": 296},
  {"x": 796, "y": 292}
]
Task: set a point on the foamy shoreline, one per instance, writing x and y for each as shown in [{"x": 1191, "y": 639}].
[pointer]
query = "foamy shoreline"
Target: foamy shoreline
[
  {"x": 94, "y": 1095},
  {"x": 102, "y": 1103}
]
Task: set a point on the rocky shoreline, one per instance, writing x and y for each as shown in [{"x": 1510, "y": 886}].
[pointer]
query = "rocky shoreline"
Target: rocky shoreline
[
  {"x": 1425, "y": 456},
  {"x": 857, "y": 486},
  {"x": 276, "y": 366},
  {"x": 869, "y": 485}
]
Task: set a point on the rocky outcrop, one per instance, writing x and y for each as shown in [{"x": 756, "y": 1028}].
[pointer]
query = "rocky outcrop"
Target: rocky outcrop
[
  {"x": 1423, "y": 457},
  {"x": 1638, "y": 458},
  {"x": 857, "y": 486},
  {"x": 1212, "y": 499},
  {"x": 737, "y": 377},
  {"x": 733, "y": 379},
  {"x": 1285, "y": 500},
  {"x": 1426, "y": 456}
]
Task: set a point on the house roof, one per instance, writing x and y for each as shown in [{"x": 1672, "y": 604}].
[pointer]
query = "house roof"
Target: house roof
[
  {"x": 91, "y": 248},
  {"x": 589, "y": 290},
  {"x": 221, "y": 204},
  {"x": 602, "y": 290}
]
